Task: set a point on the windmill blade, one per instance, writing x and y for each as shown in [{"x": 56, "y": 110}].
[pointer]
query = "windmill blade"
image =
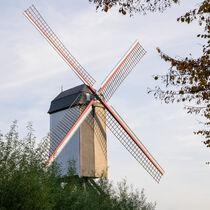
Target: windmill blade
[
  {"x": 53, "y": 139},
  {"x": 129, "y": 140},
  {"x": 63, "y": 131},
  {"x": 121, "y": 70},
  {"x": 37, "y": 20}
]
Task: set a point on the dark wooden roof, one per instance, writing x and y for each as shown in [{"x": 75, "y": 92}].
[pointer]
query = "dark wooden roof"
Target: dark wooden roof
[{"x": 66, "y": 98}]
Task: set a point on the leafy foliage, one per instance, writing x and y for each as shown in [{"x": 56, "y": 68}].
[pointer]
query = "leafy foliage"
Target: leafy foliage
[
  {"x": 188, "y": 78},
  {"x": 25, "y": 183},
  {"x": 134, "y": 6}
]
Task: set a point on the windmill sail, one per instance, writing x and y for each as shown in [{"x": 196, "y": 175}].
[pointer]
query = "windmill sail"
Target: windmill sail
[
  {"x": 121, "y": 70},
  {"x": 64, "y": 130},
  {"x": 61, "y": 128},
  {"x": 37, "y": 20},
  {"x": 129, "y": 140},
  {"x": 70, "y": 133}
]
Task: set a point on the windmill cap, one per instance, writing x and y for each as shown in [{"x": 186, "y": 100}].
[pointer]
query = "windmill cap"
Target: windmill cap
[{"x": 66, "y": 98}]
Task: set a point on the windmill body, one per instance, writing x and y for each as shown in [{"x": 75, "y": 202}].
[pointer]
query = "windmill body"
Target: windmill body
[
  {"x": 87, "y": 149},
  {"x": 79, "y": 116}
]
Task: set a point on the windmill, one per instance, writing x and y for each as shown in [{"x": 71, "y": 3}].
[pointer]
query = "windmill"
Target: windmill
[{"x": 76, "y": 111}]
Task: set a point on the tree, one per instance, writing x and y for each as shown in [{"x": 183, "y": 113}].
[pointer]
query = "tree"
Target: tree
[
  {"x": 188, "y": 78},
  {"x": 26, "y": 184},
  {"x": 134, "y": 6}
]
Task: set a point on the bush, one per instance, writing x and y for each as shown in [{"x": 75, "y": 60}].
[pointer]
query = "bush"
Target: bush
[{"x": 26, "y": 184}]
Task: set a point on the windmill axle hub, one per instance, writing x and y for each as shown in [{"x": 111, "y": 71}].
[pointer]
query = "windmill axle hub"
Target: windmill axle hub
[{"x": 98, "y": 96}]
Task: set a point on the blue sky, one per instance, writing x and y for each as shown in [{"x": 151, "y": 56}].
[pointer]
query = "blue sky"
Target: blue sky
[{"x": 32, "y": 74}]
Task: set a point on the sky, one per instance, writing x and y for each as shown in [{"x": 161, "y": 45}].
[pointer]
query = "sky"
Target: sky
[{"x": 32, "y": 74}]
